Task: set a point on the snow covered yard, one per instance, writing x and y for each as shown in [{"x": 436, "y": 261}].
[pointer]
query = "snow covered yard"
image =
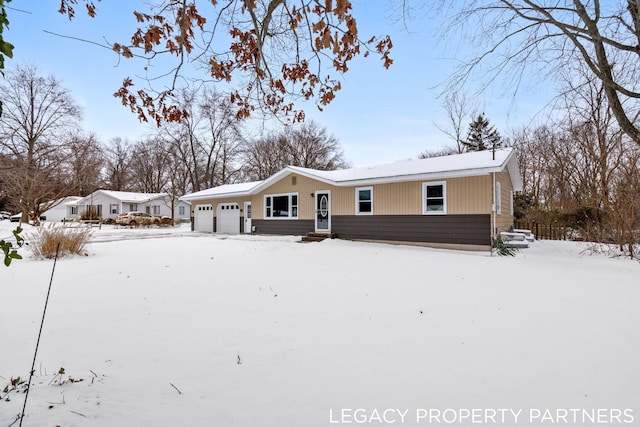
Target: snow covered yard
[{"x": 170, "y": 328}]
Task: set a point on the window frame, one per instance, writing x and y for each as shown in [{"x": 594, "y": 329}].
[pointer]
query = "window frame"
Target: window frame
[
  {"x": 358, "y": 200},
  {"x": 268, "y": 207},
  {"x": 444, "y": 197},
  {"x": 498, "y": 198}
]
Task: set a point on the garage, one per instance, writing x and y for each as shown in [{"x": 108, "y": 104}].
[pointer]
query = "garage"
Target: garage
[
  {"x": 228, "y": 221},
  {"x": 203, "y": 218}
]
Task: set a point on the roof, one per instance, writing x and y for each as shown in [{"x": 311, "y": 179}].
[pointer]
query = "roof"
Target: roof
[
  {"x": 457, "y": 165},
  {"x": 127, "y": 196},
  {"x": 240, "y": 189},
  {"x": 454, "y": 166}
]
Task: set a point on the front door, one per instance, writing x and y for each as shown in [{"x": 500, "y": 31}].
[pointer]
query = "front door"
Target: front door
[
  {"x": 323, "y": 211},
  {"x": 247, "y": 217}
]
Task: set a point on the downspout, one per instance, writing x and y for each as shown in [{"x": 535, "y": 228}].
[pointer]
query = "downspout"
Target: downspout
[{"x": 493, "y": 209}]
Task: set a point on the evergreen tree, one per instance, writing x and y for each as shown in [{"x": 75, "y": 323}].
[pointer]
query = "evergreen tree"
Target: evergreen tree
[{"x": 481, "y": 135}]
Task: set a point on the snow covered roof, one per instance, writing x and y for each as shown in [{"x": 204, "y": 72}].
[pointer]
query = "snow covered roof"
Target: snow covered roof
[
  {"x": 125, "y": 196},
  {"x": 244, "y": 188},
  {"x": 453, "y": 166},
  {"x": 466, "y": 164}
]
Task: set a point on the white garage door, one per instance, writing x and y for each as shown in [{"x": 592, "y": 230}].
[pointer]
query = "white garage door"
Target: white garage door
[
  {"x": 228, "y": 221},
  {"x": 203, "y": 218}
]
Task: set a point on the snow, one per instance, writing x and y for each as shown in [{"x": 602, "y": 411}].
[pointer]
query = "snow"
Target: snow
[
  {"x": 223, "y": 190},
  {"x": 166, "y": 327},
  {"x": 466, "y": 164}
]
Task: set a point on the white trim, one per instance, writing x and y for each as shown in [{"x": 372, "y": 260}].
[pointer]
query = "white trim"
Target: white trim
[
  {"x": 511, "y": 202},
  {"x": 498, "y": 199},
  {"x": 357, "y": 193},
  {"x": 444, "y": 197},
  {"x": 290, "y": 217},
  {"x": 248, "y": 221}
]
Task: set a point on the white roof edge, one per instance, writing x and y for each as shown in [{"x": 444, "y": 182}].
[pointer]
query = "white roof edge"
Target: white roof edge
[
  {"x": 188, "y": 197},
  {"x": 420, "y": 177},
  {"x": 513, "y": 169}
]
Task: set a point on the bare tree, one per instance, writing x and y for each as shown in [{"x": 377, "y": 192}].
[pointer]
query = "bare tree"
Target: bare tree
[
  {"x": 310, "y": 146},
  {"x": 306, "y": 145},
  {"x": 625, "y": 206},
  {"x": 207, "y": 140},
  {"x": 83, "y": 165},
  {"x": 584, "y": 170},
  {"x": 37, "y": 114},
  {"x": 117, "y": 164},
  {"x": 459, "y": 110},
  {"x": 222, "y": 138},
  {"x": 446, "y": 151},
  {"x": 549, "y": 36},
  {"x": 149, "y": 166},
  {"x": 264, "y": 157}
]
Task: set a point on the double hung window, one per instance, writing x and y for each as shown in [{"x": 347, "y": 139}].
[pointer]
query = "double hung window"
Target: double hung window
[
  {"x": 434, "y": 198},
  {"x": 364, "y": 201}
]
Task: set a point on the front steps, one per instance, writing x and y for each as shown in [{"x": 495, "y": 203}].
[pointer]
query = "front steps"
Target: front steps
[{"x": 317, "y": 237}]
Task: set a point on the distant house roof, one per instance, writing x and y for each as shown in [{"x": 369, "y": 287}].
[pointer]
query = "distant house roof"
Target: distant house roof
[
  {"x": 453, "y": 166},
  {"x": 125, "y": 196}
]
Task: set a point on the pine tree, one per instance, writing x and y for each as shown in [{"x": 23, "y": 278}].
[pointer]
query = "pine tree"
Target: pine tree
[{"x": 481, "y": 135}]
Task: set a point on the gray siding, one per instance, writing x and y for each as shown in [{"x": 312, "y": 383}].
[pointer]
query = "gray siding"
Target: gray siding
[
  {"x": 298, "y": 227},
  {"x": 453, "y": 229}
]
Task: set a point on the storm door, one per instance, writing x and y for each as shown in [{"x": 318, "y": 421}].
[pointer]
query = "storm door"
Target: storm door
[{"x": 323, "y": 211}]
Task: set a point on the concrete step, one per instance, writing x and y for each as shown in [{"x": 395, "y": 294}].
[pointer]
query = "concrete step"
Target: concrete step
[{"x": 318, "y": 237}]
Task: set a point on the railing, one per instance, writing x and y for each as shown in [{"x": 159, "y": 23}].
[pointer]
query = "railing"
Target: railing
[
  {"x": 82, "y": 222},
  {"x": 549, "y": 231}
]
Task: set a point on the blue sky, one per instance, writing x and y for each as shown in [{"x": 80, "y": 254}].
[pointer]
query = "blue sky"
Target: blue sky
[{"x": 379, "y": 116}]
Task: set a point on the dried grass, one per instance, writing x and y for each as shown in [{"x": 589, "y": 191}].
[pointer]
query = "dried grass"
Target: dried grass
[{"x": 44, "y": 242}]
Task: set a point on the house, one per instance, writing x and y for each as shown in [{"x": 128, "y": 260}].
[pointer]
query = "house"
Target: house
[
  {"x": 109, "y": 204},
  {"x": 64, "y": 208},
  {"x": 458, "y": 201}
]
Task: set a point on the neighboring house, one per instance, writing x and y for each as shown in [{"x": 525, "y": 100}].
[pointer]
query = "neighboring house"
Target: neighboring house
[
  {"x": 109, "y": 204},
  {"x": 63, "y": 208},
  {"x": 458, "y": 201}
]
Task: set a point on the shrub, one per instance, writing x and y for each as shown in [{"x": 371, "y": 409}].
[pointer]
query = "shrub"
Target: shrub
[
  {"x": 90, "y": 214},
  {"x": 45, "y": 240},
  {"x": 502, "y": 249}
]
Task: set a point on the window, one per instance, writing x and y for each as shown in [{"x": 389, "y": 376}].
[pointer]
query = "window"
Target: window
[
  {"x": 434, "y": 198},
  {"x": 498, "y": 199},
  {"x": 133, "y": 207},
  {"x": 147, "y": 209},
  {"x": 181, "y": 210},
  {"x": 156, "y": 209},
  {"x": 93, "y": 210},
  {"x": 364, "y": 201},
  {"x": 74, "y": 210},
  {"x": 113, "y": 209},
  {"x": 281, "y": 206}
]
